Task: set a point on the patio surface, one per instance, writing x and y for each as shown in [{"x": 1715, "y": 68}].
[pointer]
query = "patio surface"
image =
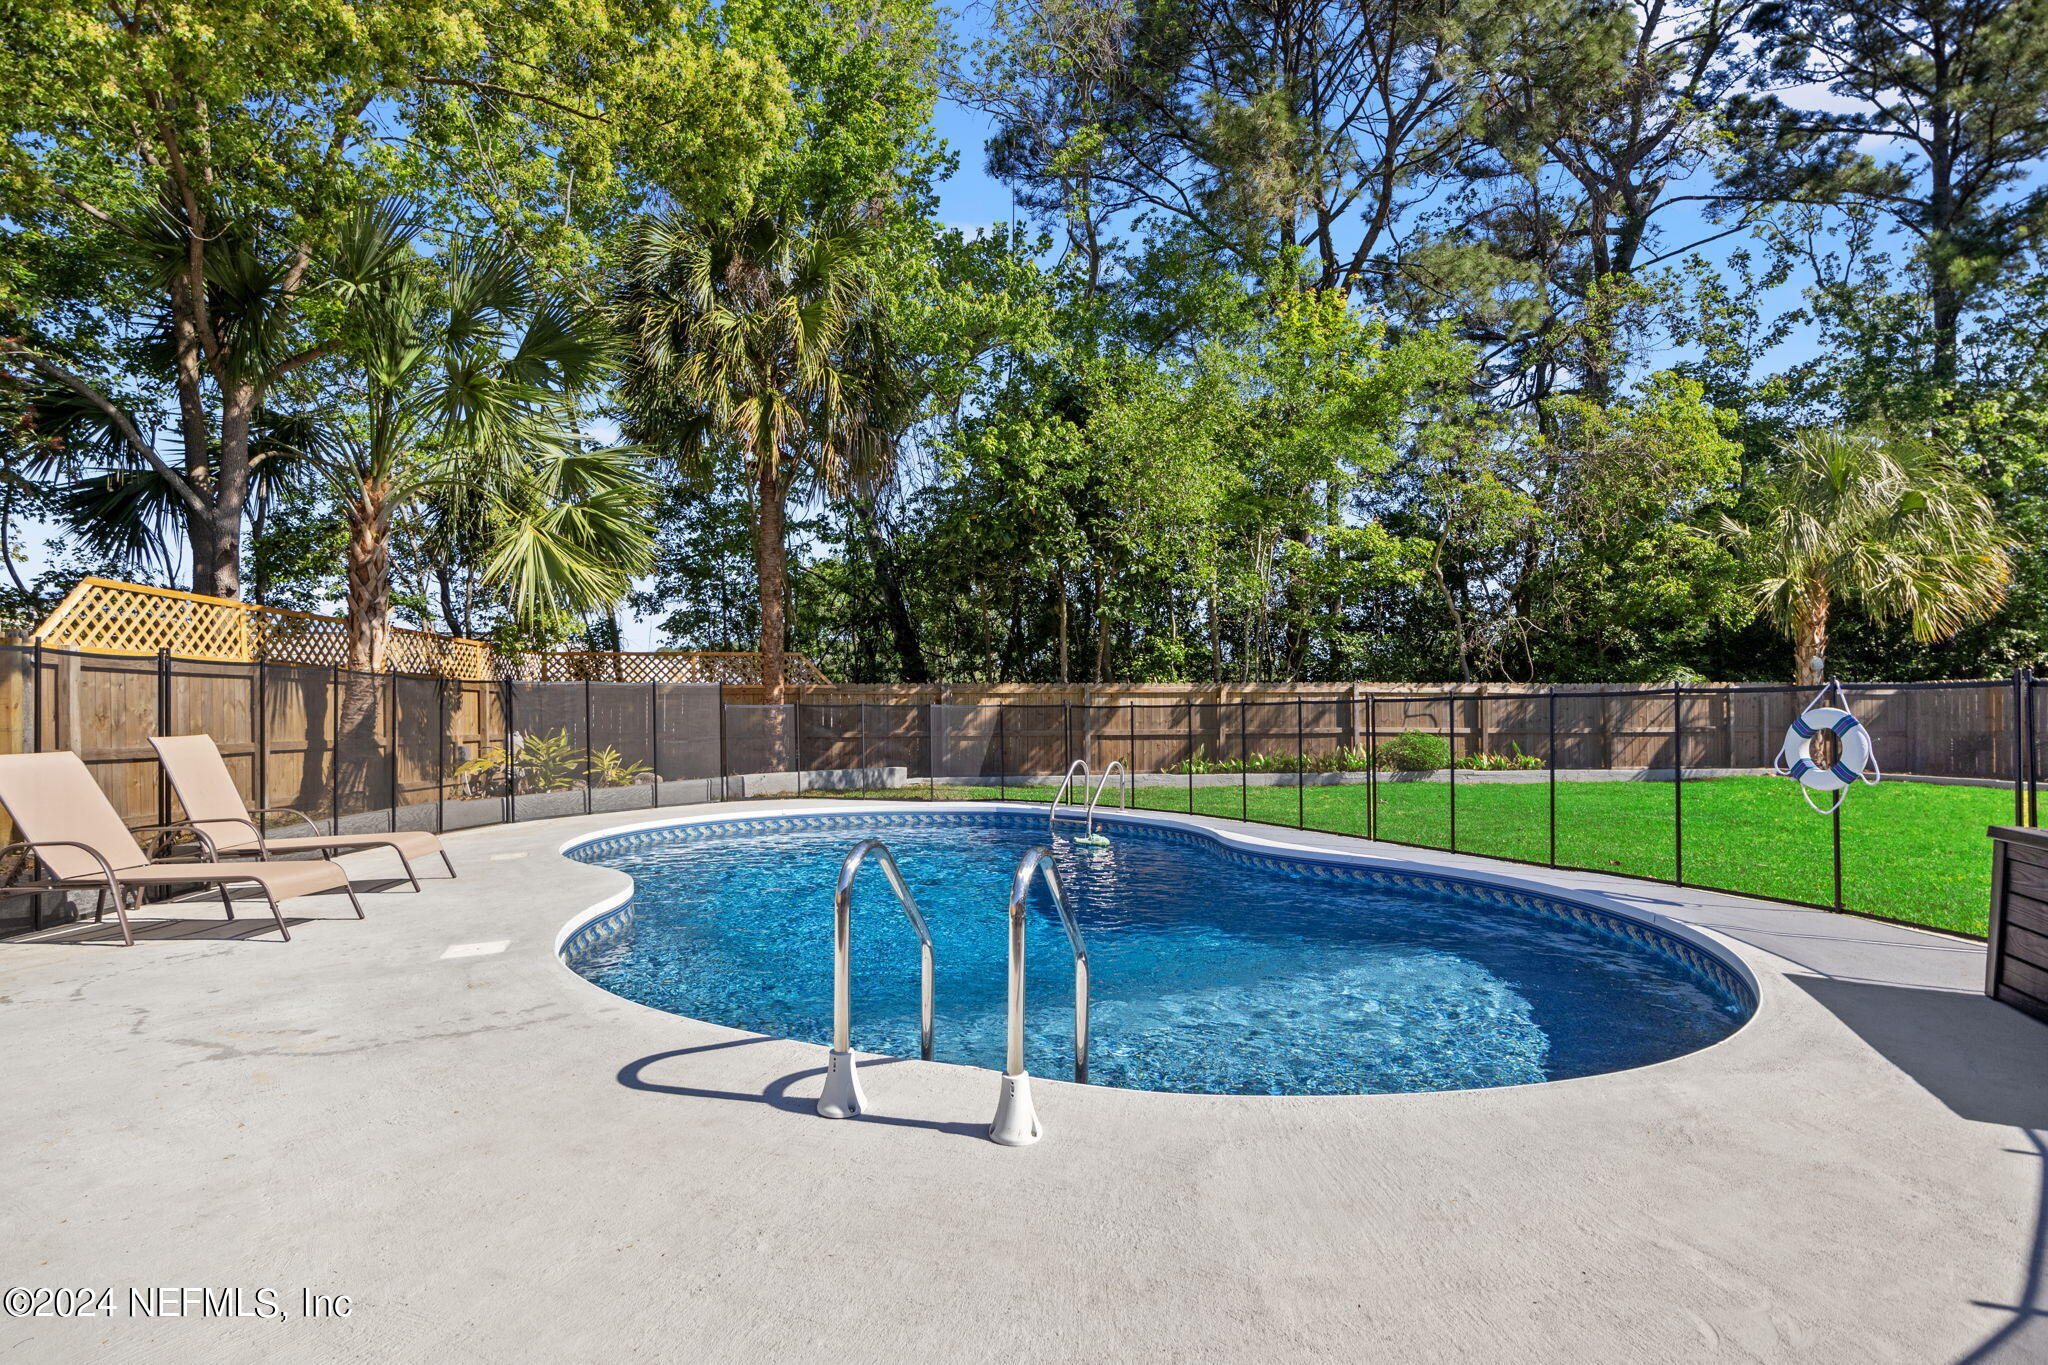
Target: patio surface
[{"x": 495, "y": 1161}]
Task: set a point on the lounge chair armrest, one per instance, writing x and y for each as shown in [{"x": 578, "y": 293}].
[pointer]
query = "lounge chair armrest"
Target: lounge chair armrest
[
  {"x": 35, "y": 845},
  {"x": 207, "y": 847},
  {"x": 304, "y": 819}
]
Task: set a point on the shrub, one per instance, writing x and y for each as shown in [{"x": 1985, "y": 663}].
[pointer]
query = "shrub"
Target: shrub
[
  {"x": 1340, "y": 761},
  {"x": 1413, "y": 751},
  {"x": 1501, "y": 763}
]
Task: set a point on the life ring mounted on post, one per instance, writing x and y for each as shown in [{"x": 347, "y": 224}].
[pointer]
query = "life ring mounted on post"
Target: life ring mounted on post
[{"x": 1853, "y": 761}]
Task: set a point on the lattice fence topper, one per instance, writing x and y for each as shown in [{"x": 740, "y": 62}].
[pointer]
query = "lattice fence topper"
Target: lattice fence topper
[
  {"x": 102, "y": 616},
  {"x": 735, "y": 669},
  {"x": 1854, "y": 758}
]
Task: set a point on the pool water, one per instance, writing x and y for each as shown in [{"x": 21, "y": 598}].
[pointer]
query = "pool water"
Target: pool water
[{"x": 1213, "y": 972}]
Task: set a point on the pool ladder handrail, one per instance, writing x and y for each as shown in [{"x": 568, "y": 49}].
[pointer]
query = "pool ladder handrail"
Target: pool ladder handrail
[
  {"x": 842, "y": 1097},
  {"x": 1052, "y": 812},
  {"x": 1016, "y": 1121},
  {"x": 1123, "y": 791}
]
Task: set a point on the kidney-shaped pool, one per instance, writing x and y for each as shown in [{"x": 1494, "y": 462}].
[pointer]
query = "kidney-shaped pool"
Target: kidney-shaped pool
[{"x": 1215, "y": 970}]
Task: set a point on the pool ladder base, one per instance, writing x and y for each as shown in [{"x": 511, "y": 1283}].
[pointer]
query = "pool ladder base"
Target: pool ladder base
[
  {"x": 842, "y": 1097},
  {"x": 1016, "y": 1122}
]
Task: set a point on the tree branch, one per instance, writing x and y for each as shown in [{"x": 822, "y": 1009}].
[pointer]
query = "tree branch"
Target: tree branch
[
  {"x": 120, "y": 420},
  {"x": 490, "y": 88}
]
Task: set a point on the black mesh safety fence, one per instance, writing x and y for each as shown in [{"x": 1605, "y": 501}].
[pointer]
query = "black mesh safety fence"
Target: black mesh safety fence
[{"x": 1670, "y": 783}]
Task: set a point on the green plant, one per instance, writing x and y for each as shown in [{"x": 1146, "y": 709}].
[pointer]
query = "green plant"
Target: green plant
[
  {"x": 1517, "y": 761},
  {"x": 1886, "y": 519},
  {"x": 537, "y": 763},
  {"x": 1339, "y": 760},
  {"x": 1413, "y": 751},
  {"x": 608, "y": 768}
]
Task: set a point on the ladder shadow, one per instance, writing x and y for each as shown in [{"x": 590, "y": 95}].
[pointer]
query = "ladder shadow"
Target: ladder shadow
[{"x": 776, "y": 1094}]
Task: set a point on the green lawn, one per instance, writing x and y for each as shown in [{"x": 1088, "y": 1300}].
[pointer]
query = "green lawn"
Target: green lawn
[{"x": 1911, "y": 851}]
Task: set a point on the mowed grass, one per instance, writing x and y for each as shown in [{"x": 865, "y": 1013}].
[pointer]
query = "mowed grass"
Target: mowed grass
[{"x": 1911, "y": 851}]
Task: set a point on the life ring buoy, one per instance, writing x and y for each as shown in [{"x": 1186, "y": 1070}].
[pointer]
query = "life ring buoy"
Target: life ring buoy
[{"x": 1795, "y": 755}]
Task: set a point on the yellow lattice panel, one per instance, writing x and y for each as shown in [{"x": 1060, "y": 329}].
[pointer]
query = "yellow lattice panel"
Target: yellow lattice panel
[
  {"x": 735, "y": 669},
  {"x": 102, "y": 616}
]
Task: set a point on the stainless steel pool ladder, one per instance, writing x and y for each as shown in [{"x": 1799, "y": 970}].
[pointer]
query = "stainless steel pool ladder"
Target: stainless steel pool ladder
[
  {"x": 1123, "y": 791},
  {"x": 842, "y": 1097},
  {"x": 1016, "y": 1121},
  {"x": 1052, "y": 812}
]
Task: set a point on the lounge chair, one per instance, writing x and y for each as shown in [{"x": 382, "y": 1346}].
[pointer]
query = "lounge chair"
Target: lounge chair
[
  {"x": 212, "y": 803},
  {"x": 81, "y": 841}
]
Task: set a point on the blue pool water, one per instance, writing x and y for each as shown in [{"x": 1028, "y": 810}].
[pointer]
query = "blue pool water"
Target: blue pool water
[{"x": 1213, "y": 972}]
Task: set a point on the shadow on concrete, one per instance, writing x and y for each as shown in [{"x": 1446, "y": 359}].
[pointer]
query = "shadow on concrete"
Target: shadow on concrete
[
  {"x": 86, "y": 933},
  {"x": 153, "y": 923},
  {"x": 1989, "y": 1064},
  {"x": 776, "y": 1093}
]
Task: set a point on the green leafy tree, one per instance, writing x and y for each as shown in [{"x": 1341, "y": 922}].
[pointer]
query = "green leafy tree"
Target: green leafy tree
[
  {"x": 179, "y": 177},
  {"x": 1956, "y": 91},
  {"x": 1886, "y": 520},
  {"x": 757, "y": 346},
  {"x": 461, "y": 383}
]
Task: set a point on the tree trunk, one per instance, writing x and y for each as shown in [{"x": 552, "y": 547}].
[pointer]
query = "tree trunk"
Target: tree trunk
[
  {"x": 1059, "y": 584},
  {"x": 1102, "y": 627},
  {"x": 1810, "y": 636},
  {"x": 195, "y": 434},
  {"x": 369, "y": 577},
  {"x": 769, "y": 570},
  {"x": 1215, "y": 630},
  {"x": 889, "y": 578}
]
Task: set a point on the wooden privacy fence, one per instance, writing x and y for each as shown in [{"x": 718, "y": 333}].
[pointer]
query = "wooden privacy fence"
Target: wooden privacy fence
[
  {"x": 1950, "y": 730},
  {"x": 102, "y": 616},
  {"x": 365, "y": 751},
  {"x": 343, "y": 744},
  {"x": 389, "y": 750}
]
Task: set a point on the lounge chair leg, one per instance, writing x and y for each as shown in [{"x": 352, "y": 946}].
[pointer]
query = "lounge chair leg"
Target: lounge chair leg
[
  {"x": 121, "y": 913},
  {"x": 406, "y": 863},
  {"x": 445, "y": 863},
  {"x": 350, "y": 888},
  {"x": 99, "y": 907},
  {"x": 277, "y": 915},
  {"x": 225, "y": 898}
]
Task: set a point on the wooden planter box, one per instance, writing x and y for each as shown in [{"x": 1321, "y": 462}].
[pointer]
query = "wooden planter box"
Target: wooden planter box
[{"x": 2016, "y": 970}]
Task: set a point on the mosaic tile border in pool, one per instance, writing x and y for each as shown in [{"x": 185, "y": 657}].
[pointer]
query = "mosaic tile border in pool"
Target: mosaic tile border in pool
[
  {"x": 1706, "y": 966},
  {"x": 596, "y": 932}
]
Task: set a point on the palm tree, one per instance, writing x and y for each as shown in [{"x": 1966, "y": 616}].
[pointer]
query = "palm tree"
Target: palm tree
[
  {"x": 761, "y": 342},
  {"x": 468, "y": 377},
  {"x": 1886, "y": 519}
]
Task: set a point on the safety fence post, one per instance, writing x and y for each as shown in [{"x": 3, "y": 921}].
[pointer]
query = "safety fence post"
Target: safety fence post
[
  {"x": 163, "y": 727},
  {"x": 1552, "y": 760},
  {"x": 654, "y": 741},
  {"x": 2033, "y": 756},
  {"x": 1244, "y": 765},
  {"x": 1677, "y": 784},
  {"x": 1372, "y": 765},
  {"x": 721, "y": 744},
  {"x": 1300, "y": 770},
  {"x": 391, "y": 768},
  {"x": 1836, "y": 821},
  {"x": 440, "y": 755},
  {"x": 2020, "y": 678},
  {"x": 1452, "y": 719}
]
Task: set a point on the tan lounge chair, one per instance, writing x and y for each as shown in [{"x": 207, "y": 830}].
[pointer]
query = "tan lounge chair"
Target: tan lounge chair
[
  {"x": 212, "y": 803},
  {"x": 81, "y": 841}
]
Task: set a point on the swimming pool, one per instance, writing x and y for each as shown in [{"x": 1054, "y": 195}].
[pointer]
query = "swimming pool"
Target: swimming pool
[{"x": 1215, "y": 970}]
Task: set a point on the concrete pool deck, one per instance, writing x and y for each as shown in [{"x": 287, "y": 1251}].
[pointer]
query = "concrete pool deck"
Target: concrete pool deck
[{"x": 495, "y": 1160}]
